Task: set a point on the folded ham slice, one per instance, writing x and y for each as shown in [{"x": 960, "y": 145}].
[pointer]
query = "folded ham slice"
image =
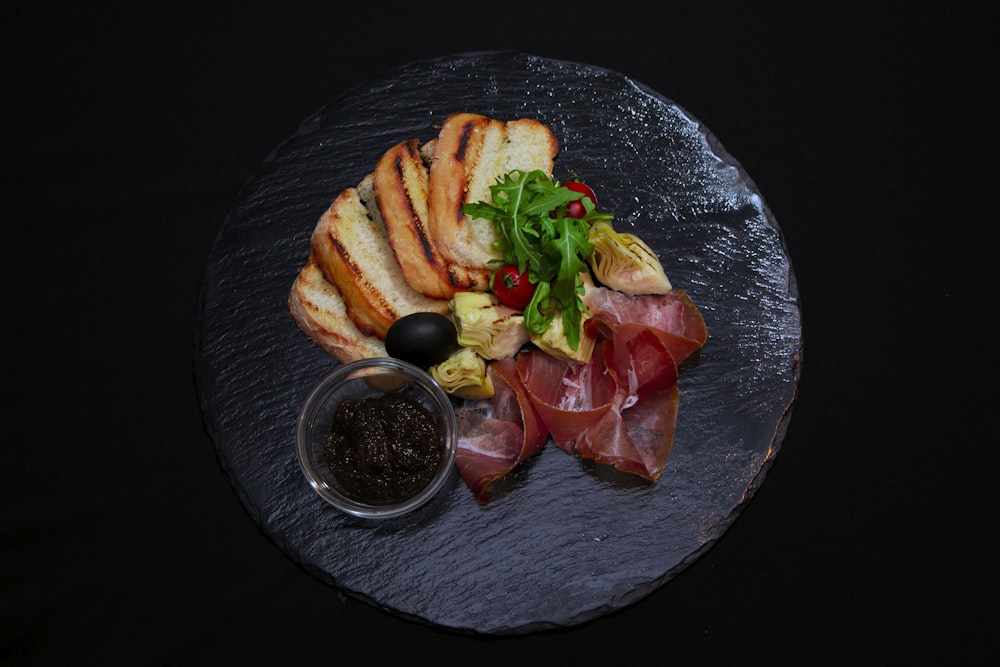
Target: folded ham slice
[
  {"x": 672, "y": 316},
  {"x": 493, "y": 442},
  {"x": 618, "y": 409},
  {"x": 568, "y": 396}
]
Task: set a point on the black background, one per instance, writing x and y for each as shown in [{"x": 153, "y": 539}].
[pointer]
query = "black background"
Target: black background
[{"x": 128, "y": 133}]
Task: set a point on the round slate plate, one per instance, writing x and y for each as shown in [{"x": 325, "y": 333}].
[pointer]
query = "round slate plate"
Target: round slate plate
[{"x": 564, "y": 541}]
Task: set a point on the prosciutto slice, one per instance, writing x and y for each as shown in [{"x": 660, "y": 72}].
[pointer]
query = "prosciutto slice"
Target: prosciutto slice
[
  {"x": 568, "y": 396},
  {"x": 672, "y": 316},
  {"x": 492, "y": 442},
  {"x": 619, "y": 409},
  {"x": 637, "y": 440}
]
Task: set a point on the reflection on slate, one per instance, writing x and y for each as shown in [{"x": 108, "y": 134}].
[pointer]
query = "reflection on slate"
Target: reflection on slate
[{"x": 563, "y": 541}]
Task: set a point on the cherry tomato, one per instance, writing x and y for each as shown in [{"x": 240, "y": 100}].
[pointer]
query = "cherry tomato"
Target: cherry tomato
[
  {"x": 513, "y": 287},
  {"x": 575, "y": 208}
]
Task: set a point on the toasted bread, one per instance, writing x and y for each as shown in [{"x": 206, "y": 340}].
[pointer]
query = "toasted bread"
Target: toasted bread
[
  {"x": 470, "y": 154},
  {"x": 400, "y": 194},
  {"x": 319, "y": 310},
  {"x": 354, "y": 254}
]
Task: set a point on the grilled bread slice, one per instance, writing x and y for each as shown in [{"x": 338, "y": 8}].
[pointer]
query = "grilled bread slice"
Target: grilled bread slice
[
  {"x": 400, "y": 188},
  {"x": 354, "y": 254},
  {"x": 319, "y": 310},
  {"x": 470, "y": 153}
]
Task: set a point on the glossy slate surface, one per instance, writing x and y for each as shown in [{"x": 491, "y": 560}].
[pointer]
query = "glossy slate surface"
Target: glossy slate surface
[{"x": 564, "y": 542}]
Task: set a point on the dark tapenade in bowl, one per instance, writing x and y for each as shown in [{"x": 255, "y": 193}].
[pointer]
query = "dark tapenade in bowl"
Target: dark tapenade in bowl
[{"x": 377, "y": 438}]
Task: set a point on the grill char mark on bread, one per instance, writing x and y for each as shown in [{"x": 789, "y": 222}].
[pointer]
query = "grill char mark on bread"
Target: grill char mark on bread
[
  {"x": 399, "y": 197},
  {"x": 354, "y": 254},
  {"x": 425, "y": 243},
  {"x": 463, "y": 143}
]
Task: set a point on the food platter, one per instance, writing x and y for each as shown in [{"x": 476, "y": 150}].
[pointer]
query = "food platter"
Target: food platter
[{"x": 563, "y": 542}]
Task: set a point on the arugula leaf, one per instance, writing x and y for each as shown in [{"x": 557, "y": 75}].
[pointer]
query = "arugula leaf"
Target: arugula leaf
[{"x": 535, "y": 234}]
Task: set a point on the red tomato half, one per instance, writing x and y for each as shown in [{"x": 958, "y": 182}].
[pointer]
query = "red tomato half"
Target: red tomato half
[
  {"x": 575, "y": 209},
  {"x": 513, "y": 287}
]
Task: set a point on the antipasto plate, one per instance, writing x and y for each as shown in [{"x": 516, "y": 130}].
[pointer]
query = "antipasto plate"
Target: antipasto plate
[{"x": 564, "y": 541}]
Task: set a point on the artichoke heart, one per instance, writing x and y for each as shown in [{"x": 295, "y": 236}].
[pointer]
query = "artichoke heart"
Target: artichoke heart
[
  {"x": 463, "y": 374},
  {"x": 554, "y": 342},
  {"x": 486, "y": 326},
  {"x": 625, "y": 263}
]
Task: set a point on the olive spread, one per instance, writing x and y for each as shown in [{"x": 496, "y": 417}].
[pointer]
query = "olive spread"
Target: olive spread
[{"x": 383, "y": 449}]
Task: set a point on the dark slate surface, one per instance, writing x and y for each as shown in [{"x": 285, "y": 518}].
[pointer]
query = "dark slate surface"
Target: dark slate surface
[{"x": 564, "y": 542}]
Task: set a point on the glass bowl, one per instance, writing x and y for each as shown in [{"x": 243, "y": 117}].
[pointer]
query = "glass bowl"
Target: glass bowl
[{"x": 371, "y": 475}]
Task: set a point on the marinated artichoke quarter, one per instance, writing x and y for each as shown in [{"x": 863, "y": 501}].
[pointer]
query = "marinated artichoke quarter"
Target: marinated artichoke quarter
[
  {"x": 486, "y": 326},
  {"x": 625, "y": 263},
  {"x": 463, "y": 374}
]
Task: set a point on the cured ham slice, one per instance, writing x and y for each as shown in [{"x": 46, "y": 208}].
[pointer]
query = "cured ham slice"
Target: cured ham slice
[
  {"x": 672, "y": 316},
  {"x": 568, "y": 396},
  {"x": 487, "y": 449},
  {"x": 491, "y": 444},
  {"x": 637, "y": 439},
  {"x": 619, "y": 409}
]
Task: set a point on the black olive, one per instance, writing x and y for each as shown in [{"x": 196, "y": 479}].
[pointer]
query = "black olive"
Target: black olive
[{"x": 423, "y": 339}]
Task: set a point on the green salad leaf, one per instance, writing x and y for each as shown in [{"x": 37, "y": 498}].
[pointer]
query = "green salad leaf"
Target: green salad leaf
[{"x": 536, "y": 235}]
